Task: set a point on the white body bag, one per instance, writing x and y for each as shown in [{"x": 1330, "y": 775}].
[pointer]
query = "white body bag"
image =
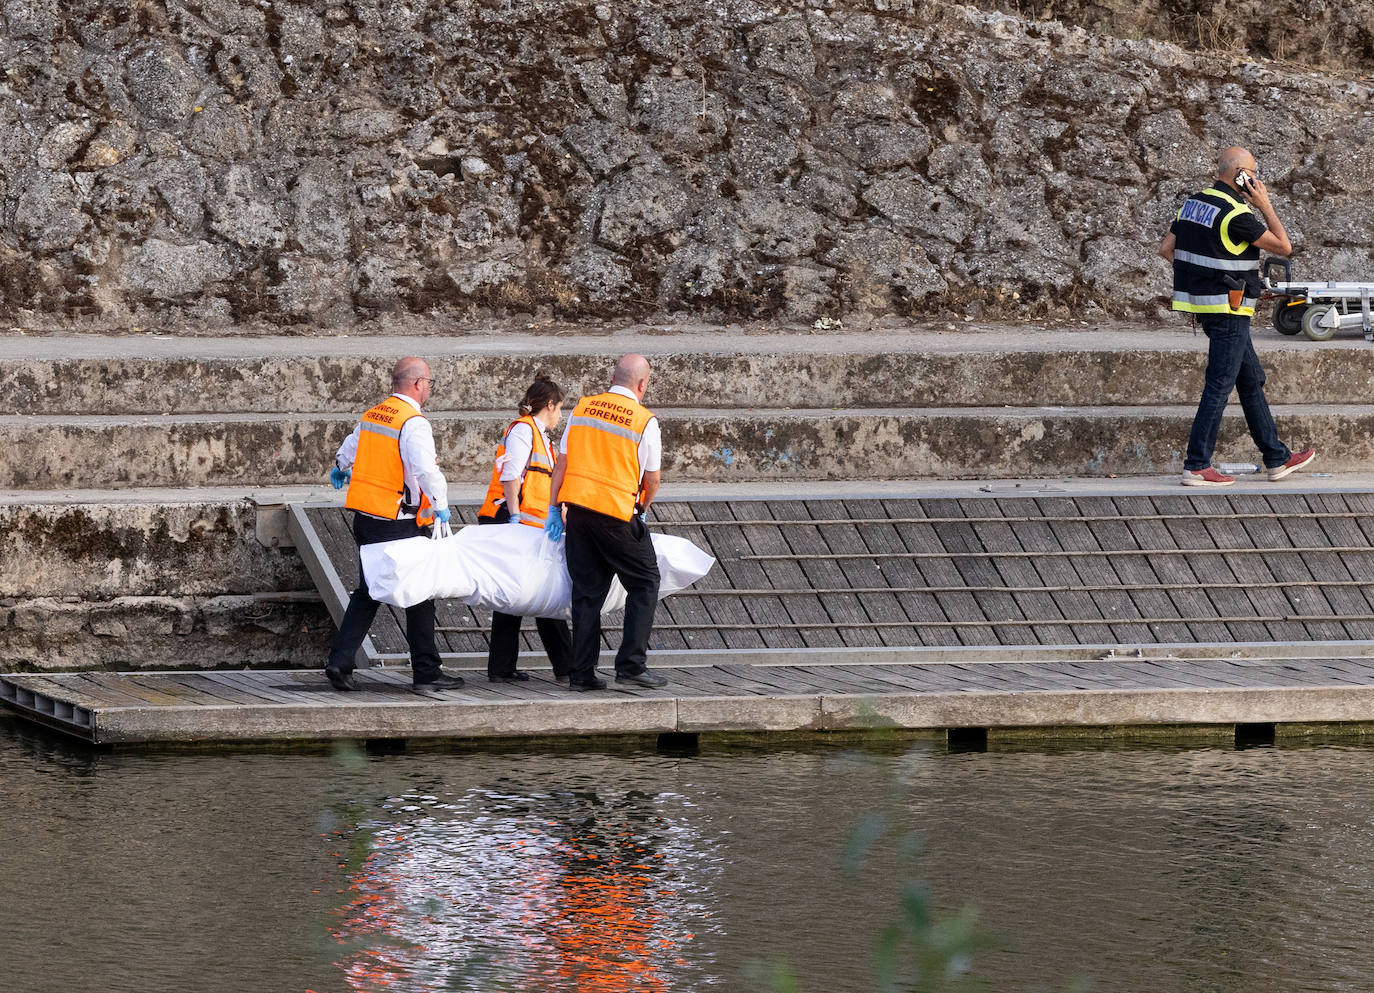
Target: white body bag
[{"x": 513, "y": 568}]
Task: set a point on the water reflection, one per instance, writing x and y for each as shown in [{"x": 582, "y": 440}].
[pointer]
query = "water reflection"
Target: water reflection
[{"x": 594, "y": 890}]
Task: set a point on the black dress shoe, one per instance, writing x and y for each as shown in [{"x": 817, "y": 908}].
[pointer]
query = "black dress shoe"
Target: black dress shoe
[
  {"x": 646, "y": 678},
  {"x": 597, "y": 683},
  {"x": 339, "y": 679},
  {"x": 443, "y": 682},
  {"x": 510, "y": 677}
]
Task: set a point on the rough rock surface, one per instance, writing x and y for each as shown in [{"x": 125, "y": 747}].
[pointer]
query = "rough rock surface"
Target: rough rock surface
[
  {"x": 203, "y": 162},
  {"x": 151, "y": 585}
]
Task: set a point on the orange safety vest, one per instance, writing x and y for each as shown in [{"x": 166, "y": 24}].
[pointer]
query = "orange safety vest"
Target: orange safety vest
[
  {"x": 534, "y": 482},
  {"x": 602, "y": 459},
  {"x": 378, "y": 486}
]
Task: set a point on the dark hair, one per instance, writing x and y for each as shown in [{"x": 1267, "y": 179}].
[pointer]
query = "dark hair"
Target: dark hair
[{"x": 542, "y": 392}]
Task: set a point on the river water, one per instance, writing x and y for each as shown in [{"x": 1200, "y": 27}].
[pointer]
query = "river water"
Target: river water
[{"x": 620, "y": 868}]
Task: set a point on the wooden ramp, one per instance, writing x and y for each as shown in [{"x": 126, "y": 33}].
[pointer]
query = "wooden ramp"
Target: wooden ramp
[
  {"x": 978, "y": 572},
  {"x": 113, "y": 708}
]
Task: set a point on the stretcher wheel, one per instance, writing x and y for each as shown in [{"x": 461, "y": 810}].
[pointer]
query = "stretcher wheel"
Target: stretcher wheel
[
  {"x": 1287, "y": 316},
  {"x": 1310, "y": 317}
]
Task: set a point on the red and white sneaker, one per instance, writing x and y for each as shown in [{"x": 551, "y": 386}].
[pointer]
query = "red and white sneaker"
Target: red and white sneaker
[
  {"x": 1206, "y": 477},
  {"x": 1299, "y": 460}
]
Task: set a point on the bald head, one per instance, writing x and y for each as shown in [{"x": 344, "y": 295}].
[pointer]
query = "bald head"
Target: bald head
[
  {"x": 632, "y": 372},
  {"x": 1232, "y": 160},
  {"x": 410, "y": 376}
]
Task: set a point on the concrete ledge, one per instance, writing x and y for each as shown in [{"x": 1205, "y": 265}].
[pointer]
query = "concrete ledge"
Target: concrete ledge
[
  {"x": 162, "y": 632},
  {"x": 419, "y": 718},
  {"x": 921, "y": 369},
  {"x": 700, "y": 445},
  {"x": 1212, "y": 705}
]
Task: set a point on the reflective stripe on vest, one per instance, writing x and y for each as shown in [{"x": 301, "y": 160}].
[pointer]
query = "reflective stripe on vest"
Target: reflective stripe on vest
[
  {"x": 1213, "y": 303},
  {"x": 534, "y": 481},
  {"x": 601, "y": 469},
  {"x": 378, "y": 484},
  {"x": 1226, "y": 265},
  {"x": 1208, "y": 264}
]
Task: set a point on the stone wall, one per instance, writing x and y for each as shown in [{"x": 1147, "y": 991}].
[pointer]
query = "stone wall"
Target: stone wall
[
  {"x": 196, "y": 163},
  {"x": 151, "y": 586}
]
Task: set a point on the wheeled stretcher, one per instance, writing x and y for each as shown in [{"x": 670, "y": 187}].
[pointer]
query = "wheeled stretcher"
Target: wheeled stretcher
[{"x": 1316, "y": 309}]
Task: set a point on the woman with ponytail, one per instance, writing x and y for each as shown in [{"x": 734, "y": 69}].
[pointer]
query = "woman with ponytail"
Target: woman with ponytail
[{"x": 519, "y": 492}]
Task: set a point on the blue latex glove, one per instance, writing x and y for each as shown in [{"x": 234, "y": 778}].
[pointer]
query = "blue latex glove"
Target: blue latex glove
[
  {"x": 643, "y": 517},
  {"x": 442, "y": 514},
  {"x": 553, "y": 524},
  {"x": 339, "y": 478}
]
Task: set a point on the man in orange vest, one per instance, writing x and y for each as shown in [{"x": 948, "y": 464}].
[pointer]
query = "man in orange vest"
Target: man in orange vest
[
  {"x": 395, "y": 490},
  {"x": 606, "y": 479}
]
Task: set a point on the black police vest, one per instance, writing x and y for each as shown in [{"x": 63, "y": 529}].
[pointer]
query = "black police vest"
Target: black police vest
[{"x": 1208, "y": 263}]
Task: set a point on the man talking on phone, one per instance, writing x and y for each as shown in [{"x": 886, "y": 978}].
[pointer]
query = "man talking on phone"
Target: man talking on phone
[{"x": 1214, "y": 244}]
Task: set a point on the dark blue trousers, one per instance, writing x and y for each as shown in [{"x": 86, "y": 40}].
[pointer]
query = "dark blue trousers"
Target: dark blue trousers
[
  {"x": 1232, "y": 364},
  {"x": 424, "y": 653},
  {"x": 602, "y": 548}
]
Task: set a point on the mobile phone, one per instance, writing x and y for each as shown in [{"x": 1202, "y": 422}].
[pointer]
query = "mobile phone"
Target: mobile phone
[{"x": 1243, "y": 181}]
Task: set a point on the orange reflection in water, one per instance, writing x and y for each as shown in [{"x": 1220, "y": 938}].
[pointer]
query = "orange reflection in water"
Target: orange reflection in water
[{"x": 526, "y": 902}]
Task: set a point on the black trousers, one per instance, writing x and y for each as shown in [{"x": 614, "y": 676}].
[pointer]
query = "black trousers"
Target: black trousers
[
  {"x": 357, "y": 619},
  {"x": 600, "y": 548},
  {"x": 505, "y": 631}
]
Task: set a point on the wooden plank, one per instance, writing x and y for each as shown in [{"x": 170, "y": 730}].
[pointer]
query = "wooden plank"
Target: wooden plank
[
  {"x": 779, "y": 680},
  {"x": 687, "y": 608},
  {"x": 768, "y": 612},
  {"x": 728, "y": 545},
  {"x": 921, "y": 608},
  {"x": 844, "y": 608},
  {"x": 1253, "y": 570},
  {"x": 1020, "y": 572},
  {"x": 1300, "y": 525},
  {"x": 1075, "y": 602},
  {"x": 1267, "y": 532},
  {"x": 1344, "y": 532},
  {"x": 1213, "y": 571},
  {"x": 713, "y": 682},
  {"x": 213, "y": 692},
  {"x": 783, "y": 574},
  {"x": 947, "y": 572},
  {"x": 986, "y": 572},
  {"x": 252, "y": 695},
  {"x": 862, "y": 573},
  {"x": 130, "y": 684},
  {"x": 63, "y": 687}
]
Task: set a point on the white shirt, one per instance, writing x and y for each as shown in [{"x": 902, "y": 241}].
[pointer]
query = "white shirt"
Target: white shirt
[
  {"x": 650, "y": 443},
  {"x": 418, "y": 461},
  {"x": 519, "y": 445}
]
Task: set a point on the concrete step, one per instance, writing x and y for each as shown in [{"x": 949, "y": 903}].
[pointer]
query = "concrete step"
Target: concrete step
[
  {"x": 1017, "y": 367},
  {"x": 279, "y": 449}
]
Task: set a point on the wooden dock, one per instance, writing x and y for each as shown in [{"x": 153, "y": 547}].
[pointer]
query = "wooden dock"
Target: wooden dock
[
  {"x": 978, "y": 610},
  {"x": 113, "y": 708}
]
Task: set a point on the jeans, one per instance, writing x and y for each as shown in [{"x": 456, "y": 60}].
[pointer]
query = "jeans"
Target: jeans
[{"x": 1232, "y": 364}]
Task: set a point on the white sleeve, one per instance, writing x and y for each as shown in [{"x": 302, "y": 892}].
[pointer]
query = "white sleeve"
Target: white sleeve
[
  {"x": 348, "y": 451},
  {"x": 651, "y": 448},
  {"x": 519, "y": 444},
  {"x": 417, "y": 454}
]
